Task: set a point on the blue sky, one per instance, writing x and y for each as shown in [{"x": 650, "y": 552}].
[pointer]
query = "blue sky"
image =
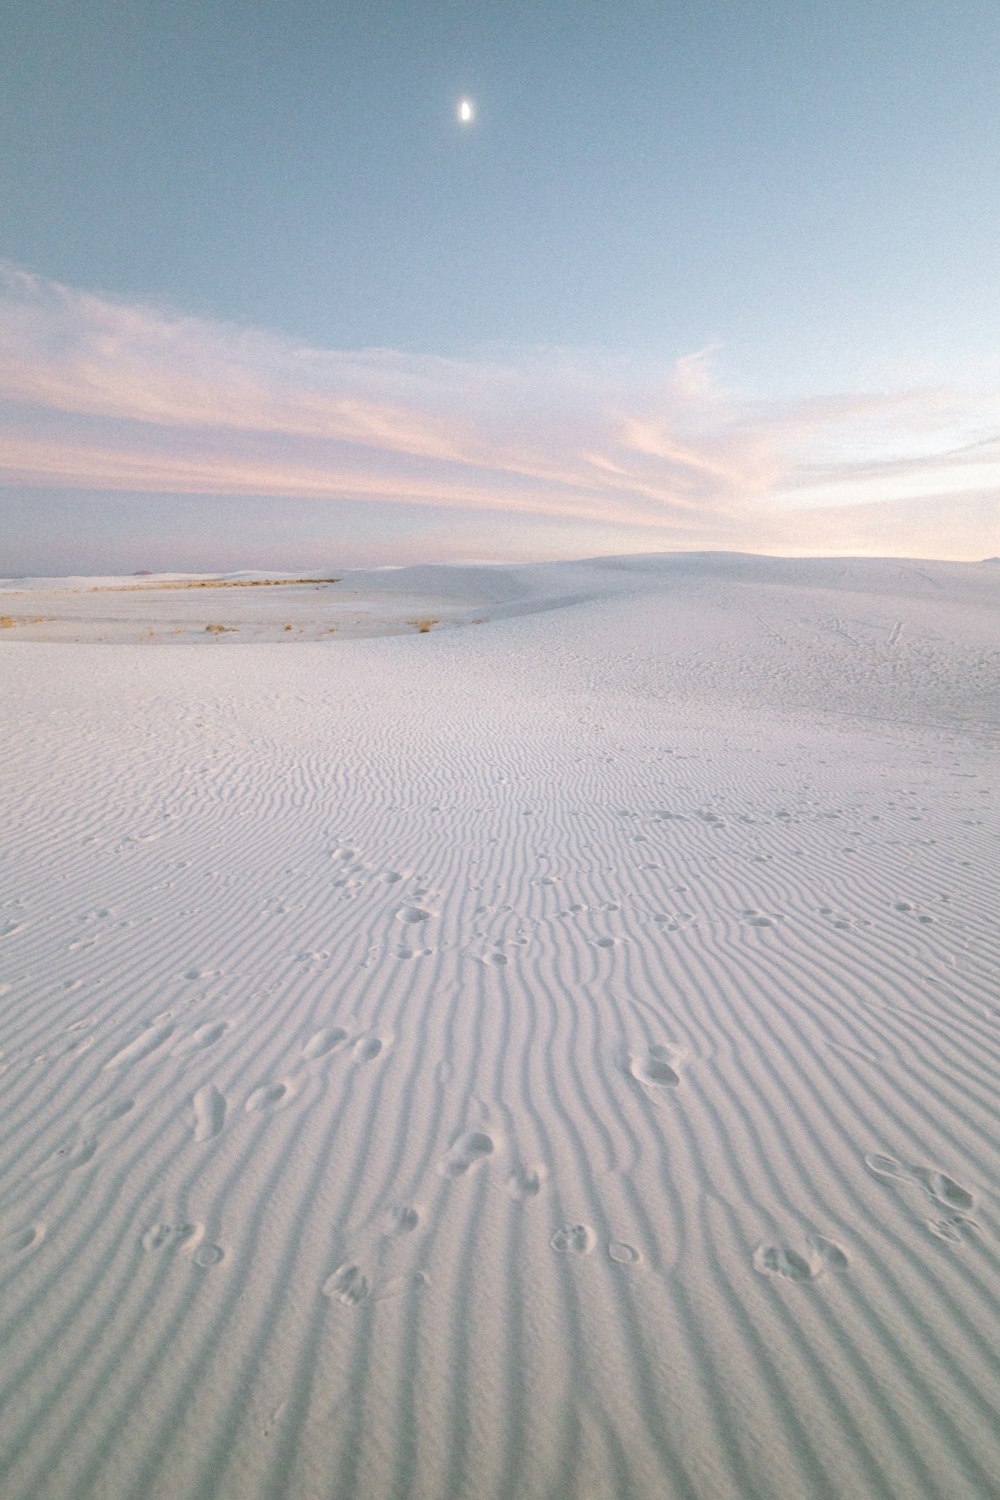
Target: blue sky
[{"x": 698, "y": 274}]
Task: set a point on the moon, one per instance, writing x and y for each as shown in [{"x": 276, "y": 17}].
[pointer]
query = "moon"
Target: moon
[{"x": 466, "y": 111}]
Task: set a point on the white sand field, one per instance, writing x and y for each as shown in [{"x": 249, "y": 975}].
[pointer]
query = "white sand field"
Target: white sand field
[{"x": 549, "y": 1055}]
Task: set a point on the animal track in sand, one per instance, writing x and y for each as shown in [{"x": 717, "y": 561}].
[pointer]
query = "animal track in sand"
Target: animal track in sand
[
  {"x": 623, "y": 1254},
  {"x": 323, "y": 1041},
  {"x": 942, "y": 1188},
  {"x": 19, "y": 1241},
  {"x": 348, "y": 1284},
  {"x": 466, "y": 1152},
  {"x": 573, "y": 1239},
  {"x": 209, "y": 1112},
  {"x": 656, "y": 1068},
  {"x": 148, "y": 1041},
  {"x": 821, "y": 1256},
  {"x": 526, "y": 1182},
  {"x": 266, "y": 1096}
]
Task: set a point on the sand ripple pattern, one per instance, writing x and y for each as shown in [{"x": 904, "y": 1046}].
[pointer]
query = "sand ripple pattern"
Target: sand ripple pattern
[{"x": 505, "y": 1064}]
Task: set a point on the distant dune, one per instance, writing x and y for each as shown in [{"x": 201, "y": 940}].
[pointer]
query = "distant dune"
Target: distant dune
[{"x": 538, "y": 1038}]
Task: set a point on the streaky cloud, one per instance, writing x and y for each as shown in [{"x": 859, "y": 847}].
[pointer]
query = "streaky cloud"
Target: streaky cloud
[{"x": 104, "y": 394}]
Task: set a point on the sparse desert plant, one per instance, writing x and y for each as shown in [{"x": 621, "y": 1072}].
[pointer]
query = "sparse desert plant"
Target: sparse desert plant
[
  {"x": 219, "y": 629},
  {"x": 424, "y": 624}
]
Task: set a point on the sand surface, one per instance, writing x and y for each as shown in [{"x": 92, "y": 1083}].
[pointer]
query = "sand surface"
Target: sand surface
[{"x": 552, "y": 1054}]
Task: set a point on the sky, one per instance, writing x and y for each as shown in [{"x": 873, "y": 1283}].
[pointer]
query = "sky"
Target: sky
[{"x": 698, "y": 274}]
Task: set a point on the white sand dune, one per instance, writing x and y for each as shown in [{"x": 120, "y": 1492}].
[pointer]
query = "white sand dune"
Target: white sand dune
[{"x": 552, "y": 1057}]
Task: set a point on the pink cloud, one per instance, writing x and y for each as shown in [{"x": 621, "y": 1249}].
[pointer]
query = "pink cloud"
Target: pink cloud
[{"x": 106, "y": 395}]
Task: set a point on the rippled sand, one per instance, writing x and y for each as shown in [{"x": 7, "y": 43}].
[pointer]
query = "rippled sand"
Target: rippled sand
[{"x": 552, "y": 1053}]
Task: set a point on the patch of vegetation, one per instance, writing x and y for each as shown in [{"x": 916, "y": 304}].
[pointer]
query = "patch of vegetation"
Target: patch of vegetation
[{"x": 213, "y": 583}]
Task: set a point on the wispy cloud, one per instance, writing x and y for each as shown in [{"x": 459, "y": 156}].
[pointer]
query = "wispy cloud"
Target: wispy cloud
[{"x": 102, "y": 395}]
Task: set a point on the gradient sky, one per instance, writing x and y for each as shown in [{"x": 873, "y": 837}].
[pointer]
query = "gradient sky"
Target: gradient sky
[{"x": 699, "y": 274}]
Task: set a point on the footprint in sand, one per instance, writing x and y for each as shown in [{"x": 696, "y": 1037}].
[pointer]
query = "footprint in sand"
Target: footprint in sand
[
  {"x": 401, "y": 1220},
  {"x": 367, "y": 1048},
  {"x": 105, "y": 1114},
  {"x": 72, "y": 1154},
  {"x": 573, "y": 1239},
  {"x": 412, "y": 915},
  {"x": 348, "y": 1284},
  {"x": 466, "y": 1152},
  {"x": 141, "y": 1046},
  {"x": 21, "y": 1241},
  {"x": 674, "y": 921},
  {"x": 954, "y": 1229},
  {"x": 266, "y": 1096},
  {"x": 623, "y": 1254},
  {"x": 398, "y": 1286},
  {"x": 658, "y": 1067},
  {"x": 820, "y": 1257},
  {"x": 183, "y": 1239},
  {"x": 204, "y": 1036},
  {"x": 526, "y": 1182},
  {"x": 209, "y": 1112},
  {"x": 324, "y": 1041},
  {"x": 80, "y": 1147},
  {"x": 942, "y": 1188}
]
